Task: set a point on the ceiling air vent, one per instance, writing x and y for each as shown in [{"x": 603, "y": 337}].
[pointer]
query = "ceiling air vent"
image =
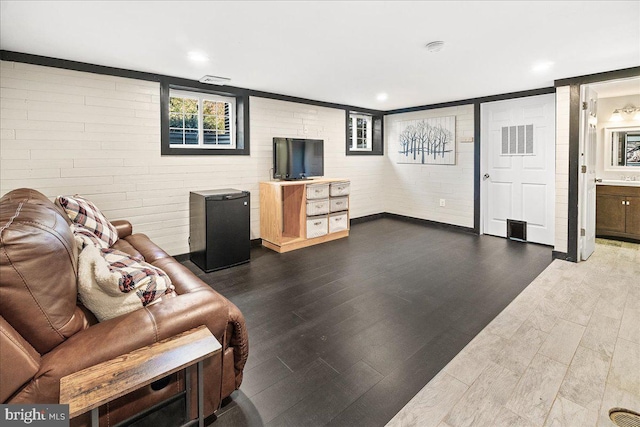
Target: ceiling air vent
[
  {"x": 215, "y": 80},
  {"x": 624, "y": 417}
]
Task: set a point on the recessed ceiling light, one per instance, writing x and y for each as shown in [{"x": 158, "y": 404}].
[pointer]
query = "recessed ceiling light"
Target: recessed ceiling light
[
  {"x": 382, "y": 96},
  {"x": 197, "y": 56},
  {"x": 542, "y": 66},
  {"x": 435, "y": 46}
]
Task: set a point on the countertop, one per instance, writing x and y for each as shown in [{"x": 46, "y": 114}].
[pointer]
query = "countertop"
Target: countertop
[{"x": 619, "y": 182}]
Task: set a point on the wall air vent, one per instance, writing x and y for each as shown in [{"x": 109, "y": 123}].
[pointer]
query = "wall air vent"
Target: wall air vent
[{"x": 215, "y": 80}]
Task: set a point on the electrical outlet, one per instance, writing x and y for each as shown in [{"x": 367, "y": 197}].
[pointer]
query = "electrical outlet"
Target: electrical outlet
[{"x": 442, "y": 203}]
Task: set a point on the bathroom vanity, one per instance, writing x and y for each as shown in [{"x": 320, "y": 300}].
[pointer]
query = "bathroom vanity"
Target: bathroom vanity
[{"x": 618, "y": 210}]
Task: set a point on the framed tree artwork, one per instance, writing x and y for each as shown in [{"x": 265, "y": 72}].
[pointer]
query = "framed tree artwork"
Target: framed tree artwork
[{"x": 428, "y": 141}]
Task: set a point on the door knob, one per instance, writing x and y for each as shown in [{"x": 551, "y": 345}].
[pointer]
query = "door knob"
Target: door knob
[{"x": 485, "y": 176}]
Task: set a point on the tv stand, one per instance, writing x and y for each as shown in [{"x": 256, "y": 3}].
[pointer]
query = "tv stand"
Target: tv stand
[{"x": 301, "y": 213}]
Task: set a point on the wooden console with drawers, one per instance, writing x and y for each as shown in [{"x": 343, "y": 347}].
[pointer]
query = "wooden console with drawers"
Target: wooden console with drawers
[{"x": 297, "y": 214}]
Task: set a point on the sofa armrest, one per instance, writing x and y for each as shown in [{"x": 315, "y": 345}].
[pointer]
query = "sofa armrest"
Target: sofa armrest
[
  {"x": 123, "y": 227},
  {"x": 239, "y": 341},
  {"x": 20, "y": 361},
  {"x": 126, "y": 333}
]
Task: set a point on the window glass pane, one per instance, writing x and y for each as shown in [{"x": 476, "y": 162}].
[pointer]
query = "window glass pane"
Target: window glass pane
[
  {"x": 200, "y": 121},
  {"x": 208, "y": 107},
  {"x": 210, "y": 137},
  {"x": 191, "y": 121},
  {"x": 224, "y": 139},
  {"x": 176, "y": 136},
  {"x": 175, "y": 120},
  {"x": 191, "y": 136},
  {"x": 175, "y": 104},
  {"x": 190, "y": 105},
  {"x": 209, "y": 122}
]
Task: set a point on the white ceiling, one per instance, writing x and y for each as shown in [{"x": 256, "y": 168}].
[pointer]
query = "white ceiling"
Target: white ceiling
[
  {"x": 616, "y": 88},
  {"x": 342, "y": 52}
]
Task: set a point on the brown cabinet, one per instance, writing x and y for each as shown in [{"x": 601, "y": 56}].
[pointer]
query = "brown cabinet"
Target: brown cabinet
[{"x": 618, "y": 211}]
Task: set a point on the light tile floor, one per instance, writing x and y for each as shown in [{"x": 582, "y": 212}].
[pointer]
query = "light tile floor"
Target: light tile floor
[{"x": 563, "y": 353}]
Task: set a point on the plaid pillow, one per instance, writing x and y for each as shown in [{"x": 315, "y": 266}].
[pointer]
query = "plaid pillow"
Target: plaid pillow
[{"x": 83, "y": 212}]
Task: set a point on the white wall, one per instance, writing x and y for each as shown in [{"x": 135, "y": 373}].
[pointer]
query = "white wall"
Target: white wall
[
  {"x": 69, "y": 132},
  {"x": 605, "y": 109},
  {"x": 562, "y": 168},
  {"x": 272, "y": 118},
  {"x": 415, "y": 190}
]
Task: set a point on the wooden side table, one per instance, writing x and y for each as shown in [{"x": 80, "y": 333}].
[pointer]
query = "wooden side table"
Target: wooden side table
[{"x": 99, "y": 384}]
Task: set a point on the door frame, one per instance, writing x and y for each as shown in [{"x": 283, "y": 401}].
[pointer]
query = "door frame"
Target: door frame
[{"x": 574, "y": 84}]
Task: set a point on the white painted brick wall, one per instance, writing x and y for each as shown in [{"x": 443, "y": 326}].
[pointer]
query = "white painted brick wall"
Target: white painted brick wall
[
  {"x": 562, "y": 168},
  {"x": 68, "y": 132},
  {"x": 273, "y": 118},
  {"x": 415, "y": 190}
]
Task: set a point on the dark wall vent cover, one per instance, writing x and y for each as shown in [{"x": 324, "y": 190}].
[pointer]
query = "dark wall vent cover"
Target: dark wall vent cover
[
  {"x": 517, "y": 230},
  {"x": 624, "y": 417}
]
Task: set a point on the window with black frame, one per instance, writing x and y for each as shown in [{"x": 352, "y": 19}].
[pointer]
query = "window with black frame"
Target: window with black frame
[
  {"x": 201, "y": 120},
  {"x": 364, "y": 134},
  {"x": 198, "y": 121}
]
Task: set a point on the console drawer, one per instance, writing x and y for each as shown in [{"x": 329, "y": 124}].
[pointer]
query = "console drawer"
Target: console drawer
[
  {"x": 317, "y": 191},
  {"x": 339, "y": 204},
  {"x": 317, "y": 226},
  {"x": 317, "y": 207},
  {"x": 338, "y": 222},
  {"x": 340, "y": 188}
]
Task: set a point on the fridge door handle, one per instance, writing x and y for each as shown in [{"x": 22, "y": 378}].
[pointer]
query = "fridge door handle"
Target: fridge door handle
[{"x": 235, "y": 196}]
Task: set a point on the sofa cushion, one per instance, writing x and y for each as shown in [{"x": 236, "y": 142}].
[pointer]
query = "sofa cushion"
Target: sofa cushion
[
  {"x": 84, "y": 212},
  {"x": 112, "y": 283}
]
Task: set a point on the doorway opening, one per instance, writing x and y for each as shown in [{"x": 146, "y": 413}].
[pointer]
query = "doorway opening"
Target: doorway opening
[{"x": 609, "y": 183}]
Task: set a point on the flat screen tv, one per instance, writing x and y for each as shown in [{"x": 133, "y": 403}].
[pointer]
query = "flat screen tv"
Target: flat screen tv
[{"x": 295, "y": 158}]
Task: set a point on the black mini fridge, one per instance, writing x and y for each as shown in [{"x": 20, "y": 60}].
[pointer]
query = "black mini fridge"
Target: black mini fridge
[{"x": 219, "y": 235}]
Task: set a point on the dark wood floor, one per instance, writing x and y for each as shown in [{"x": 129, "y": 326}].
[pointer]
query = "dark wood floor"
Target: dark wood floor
[{"x": 347, "y": 332}]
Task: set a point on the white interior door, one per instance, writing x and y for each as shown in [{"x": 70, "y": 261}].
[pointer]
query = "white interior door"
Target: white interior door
[
  {"x": 588, "y": 136},
  {"x": 518, "y": 166}
]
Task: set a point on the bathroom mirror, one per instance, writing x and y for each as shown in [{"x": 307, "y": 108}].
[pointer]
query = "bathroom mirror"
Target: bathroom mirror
[{"x": 622, "y": 148}]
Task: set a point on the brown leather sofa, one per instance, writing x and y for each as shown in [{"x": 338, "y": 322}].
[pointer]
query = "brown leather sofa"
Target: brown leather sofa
[{"x": 45, "y": 333}]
